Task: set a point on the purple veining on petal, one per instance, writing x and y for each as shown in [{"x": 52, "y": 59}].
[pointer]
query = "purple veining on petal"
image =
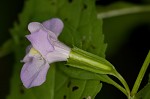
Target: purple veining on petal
[
  {"x": 55, "y": 25},
  {"x": 41, "y": 42},
  {"x": 34, "y": 72}
]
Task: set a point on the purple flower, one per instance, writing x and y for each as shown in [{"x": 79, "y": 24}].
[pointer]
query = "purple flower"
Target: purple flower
[{"x": 45, "y": 48}]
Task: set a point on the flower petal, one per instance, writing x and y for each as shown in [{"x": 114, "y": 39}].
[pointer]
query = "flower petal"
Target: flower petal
[
  {"x": 28, "y": 48},
  {"x": 55, "y": 25},
  {"x": 34, "y": 27},
  {"x": 41, "y": 42},
  {"x": 34, "y": 72},
  {"x": 61, "y": 53}
]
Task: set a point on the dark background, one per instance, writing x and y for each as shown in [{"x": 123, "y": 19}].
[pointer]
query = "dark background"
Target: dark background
[
  {"x": 130, "y": 55},
  {"x": 128, "y": 58}
]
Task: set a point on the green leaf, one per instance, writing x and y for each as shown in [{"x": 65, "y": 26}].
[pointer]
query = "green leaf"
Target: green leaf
[
  {"x": 82, "y": 29},
  {"x": 144, "y": 93},
  {"x": 6, "y": 48}
]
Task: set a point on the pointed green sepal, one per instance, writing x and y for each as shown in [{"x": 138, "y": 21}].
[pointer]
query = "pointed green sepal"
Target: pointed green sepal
[{"x": 87, "y": 61}]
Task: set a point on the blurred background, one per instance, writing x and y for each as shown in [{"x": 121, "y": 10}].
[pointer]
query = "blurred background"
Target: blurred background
[{"x": 127, "y": 37}]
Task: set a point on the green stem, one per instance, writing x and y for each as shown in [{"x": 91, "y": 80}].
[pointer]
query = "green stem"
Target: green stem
[
  {"x": 123, "y": 11},
  {"x": 119, "y": 87},
  {"x": 122, "y": 80},
  {"x": 141, "y": 75}
]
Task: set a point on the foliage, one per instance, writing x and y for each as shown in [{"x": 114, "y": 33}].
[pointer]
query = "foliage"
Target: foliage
[{"x": 82, "y": 29}]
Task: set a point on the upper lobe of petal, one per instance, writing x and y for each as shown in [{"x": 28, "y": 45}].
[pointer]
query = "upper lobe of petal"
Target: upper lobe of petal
[
  {"x": 55, "y": 25},
  {"x": 40, "y": 41},
  {"x": 34, "y": 27}
]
